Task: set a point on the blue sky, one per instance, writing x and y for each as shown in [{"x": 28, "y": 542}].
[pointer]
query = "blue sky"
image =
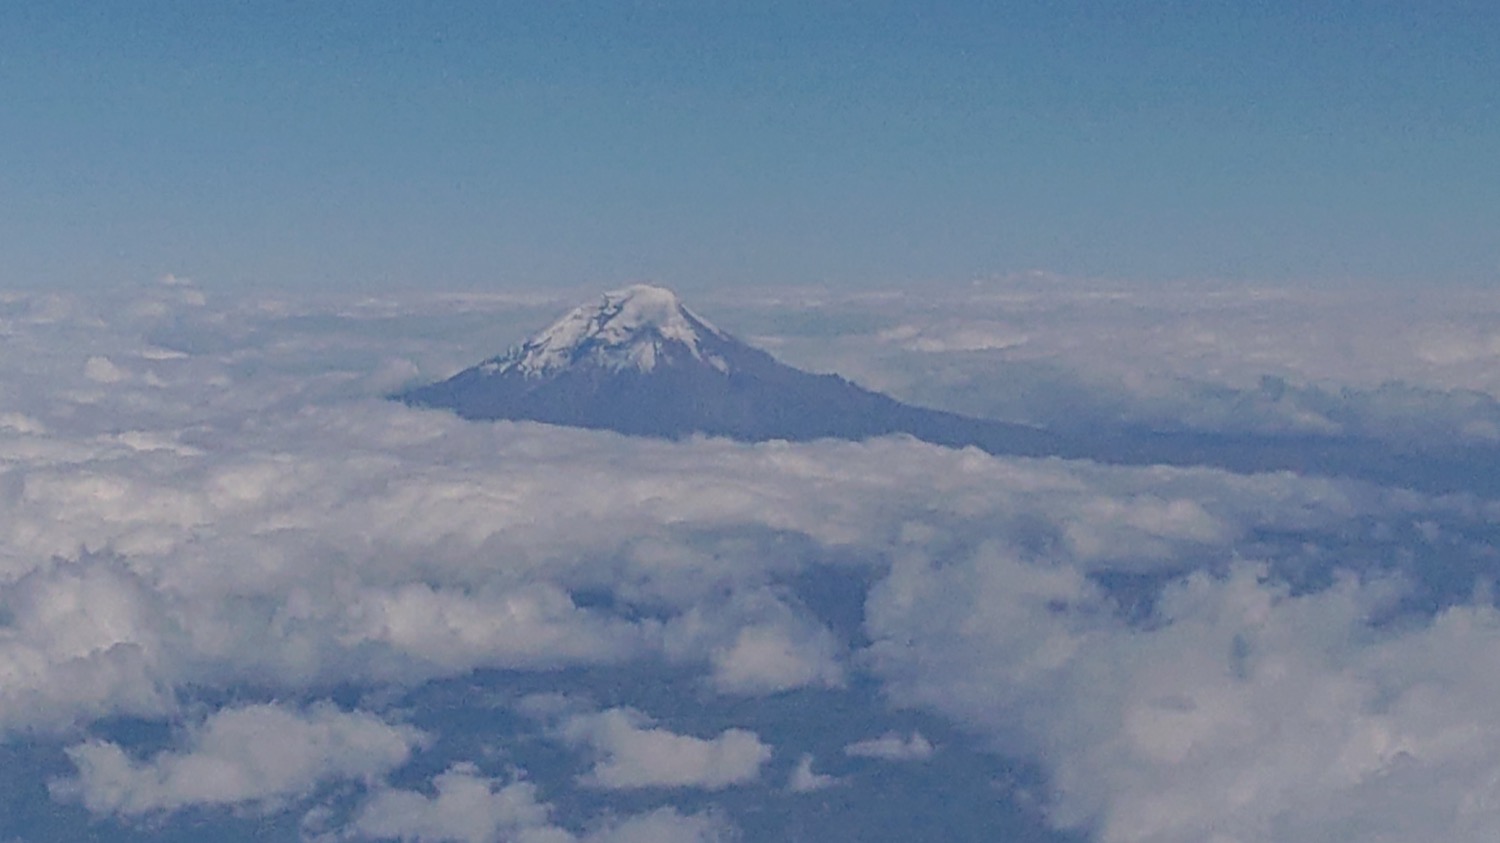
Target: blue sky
[{"x": 707, "y": 144}]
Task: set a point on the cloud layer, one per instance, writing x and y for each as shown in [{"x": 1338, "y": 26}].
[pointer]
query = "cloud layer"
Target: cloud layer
[
  {"x": 1383, "y": 362},
  {"x": 213, "y": 523},
  {"x": 257, "y": 755}
]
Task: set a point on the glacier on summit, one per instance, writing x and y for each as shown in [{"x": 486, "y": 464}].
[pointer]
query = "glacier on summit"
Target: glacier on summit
[{"x": 634, "y": 328}]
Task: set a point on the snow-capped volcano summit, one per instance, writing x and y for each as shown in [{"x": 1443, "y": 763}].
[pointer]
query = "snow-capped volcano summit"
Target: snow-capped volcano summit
[
  {"x": 638, "y": 361},
  {"x": 636, "y": 329}
]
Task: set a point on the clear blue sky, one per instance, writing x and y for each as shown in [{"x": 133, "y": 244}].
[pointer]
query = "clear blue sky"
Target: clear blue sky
[{"x": 707, "y": 142}]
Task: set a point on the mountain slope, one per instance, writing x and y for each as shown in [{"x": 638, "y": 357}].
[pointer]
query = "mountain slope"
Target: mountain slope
[{"x": 638, "y": 362}]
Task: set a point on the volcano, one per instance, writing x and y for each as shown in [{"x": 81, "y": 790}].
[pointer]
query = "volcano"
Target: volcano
[{"x": 640, "y": 362}]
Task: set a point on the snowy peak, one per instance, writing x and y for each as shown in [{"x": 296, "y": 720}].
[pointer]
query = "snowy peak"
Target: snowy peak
[
  {"x": 639, "y": 363},
  {"x": 637, "y": 328}
]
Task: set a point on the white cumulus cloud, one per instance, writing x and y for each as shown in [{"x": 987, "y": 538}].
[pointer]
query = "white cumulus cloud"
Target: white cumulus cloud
[
  {"x": 256, "y": 755},
  {"x": 466, "y": 806},
  {"x": 632, "y": 752},
  {"x": 892, "y": 747},
  {"x": 804, "y": 780}
]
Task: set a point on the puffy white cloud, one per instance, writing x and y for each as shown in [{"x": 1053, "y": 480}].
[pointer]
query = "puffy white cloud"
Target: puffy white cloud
[
  {"x": 467, "y": 807},
  {"x": 1243, "y": 710},
  {"x": 804, "y": 780},
  {"x": 536, "y": 624},
  {"x": 634, "y": 753},
  {"x": 771, "y": 658},
  {"x": 100, "y": 369},
  {"x": 258, "y": 754},
  {"x": 84, "y": 639},
  {"x": 665, "y": 825},
  {"x": 756, "y": 644},
  {"x": 892, "y": 747}
]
